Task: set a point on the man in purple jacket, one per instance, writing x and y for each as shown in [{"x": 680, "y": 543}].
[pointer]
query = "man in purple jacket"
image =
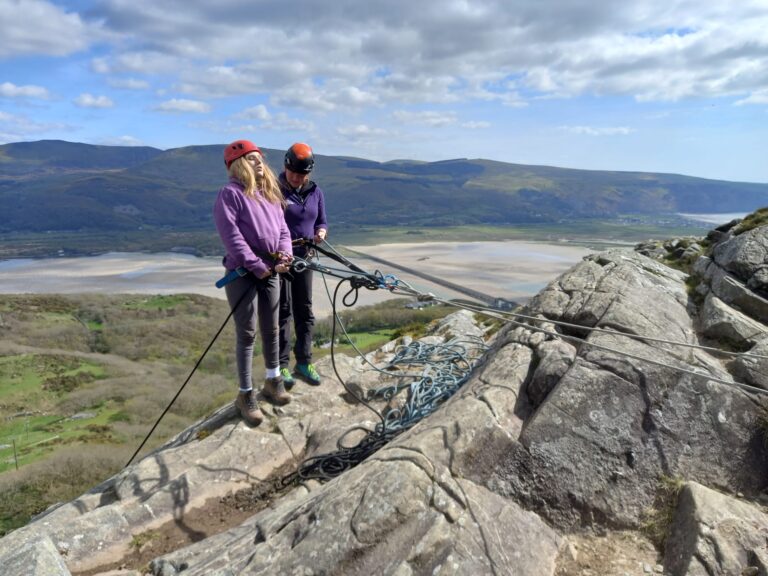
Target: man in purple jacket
[{"x": 305, "y": 216}]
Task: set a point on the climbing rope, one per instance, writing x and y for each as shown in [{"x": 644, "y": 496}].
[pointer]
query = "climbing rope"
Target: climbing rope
[
  {"x": 506, "y": 317},
  {"x": 440, "y": 381},
  {"x": 194, "y": 369},
  {"x": 446, "y": 367}
]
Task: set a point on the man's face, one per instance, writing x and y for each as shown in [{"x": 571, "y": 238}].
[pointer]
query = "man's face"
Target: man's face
[{"x": 295, "y": 179}]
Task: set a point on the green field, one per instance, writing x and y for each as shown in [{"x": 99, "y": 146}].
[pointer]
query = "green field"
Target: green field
[{"x": 84, "y": 377}]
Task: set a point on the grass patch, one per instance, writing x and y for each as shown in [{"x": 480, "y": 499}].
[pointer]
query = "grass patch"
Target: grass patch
[
  {"x": 32, "y": 438},
  {"x": 758, "y": 218},
  {"x": 157, "y": 302},
  {"x": 64, "y": 476},
  {"x": 25, "y": 376},
  {"x": 691, "y": 284},
  {"x": 364, "y": 341},
  {"x": 657, "y": 520},
  {"x": 142, "y": 539}
]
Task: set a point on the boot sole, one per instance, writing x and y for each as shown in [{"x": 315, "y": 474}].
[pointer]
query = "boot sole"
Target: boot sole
[
  {"x": 308, "y": 380},
  {"x": 274, "y": 401},
  {"x": 248, "y": 420}
]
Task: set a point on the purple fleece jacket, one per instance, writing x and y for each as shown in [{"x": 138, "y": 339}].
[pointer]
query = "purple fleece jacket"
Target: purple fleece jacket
[
  {"x": 250, "y": 229},
  {"x": 305, "y": 213}
]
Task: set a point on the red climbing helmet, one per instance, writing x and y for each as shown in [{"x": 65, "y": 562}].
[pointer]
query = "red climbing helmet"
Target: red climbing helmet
[
  {"x": 237, "y": 149},
  {"x": 299, "y": 158}
]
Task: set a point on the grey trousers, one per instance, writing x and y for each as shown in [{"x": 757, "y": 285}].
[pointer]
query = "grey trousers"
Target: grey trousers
[{"x": 256, "y": 301}]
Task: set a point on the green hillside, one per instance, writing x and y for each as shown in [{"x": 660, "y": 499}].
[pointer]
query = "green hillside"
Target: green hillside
[{"x": 54, "y": 186}]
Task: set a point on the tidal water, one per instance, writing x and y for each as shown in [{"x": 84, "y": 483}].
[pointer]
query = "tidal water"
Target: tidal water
[
  {"x": 512, "y": 270},
  {"x": 715, "y": 219}
]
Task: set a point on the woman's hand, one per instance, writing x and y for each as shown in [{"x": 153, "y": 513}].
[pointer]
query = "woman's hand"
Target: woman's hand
[
  {"x": 266, "y": 274},
  {"x": 320, "y": 235},
  {"x": 282, "y": 268}
]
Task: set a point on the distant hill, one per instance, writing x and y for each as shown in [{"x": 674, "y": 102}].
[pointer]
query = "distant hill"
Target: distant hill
[{"x": 65, "y": 186}]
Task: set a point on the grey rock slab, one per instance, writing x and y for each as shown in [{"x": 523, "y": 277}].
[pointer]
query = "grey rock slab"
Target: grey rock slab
[
  {"x": 735, "y": 293},
  {"x": 713, "y": 533},
  {"x": 402, "y": 511},
  {"x": 160, "y": 488},
  {"x": 555, "y": 358},
  {"x": 744, "y": 254},
  {"x": 753, "y": 370},
  {"x": 36, "y": 557},
  {"x": 614, "y": 422},
  {"x": 721, "y": 323}
]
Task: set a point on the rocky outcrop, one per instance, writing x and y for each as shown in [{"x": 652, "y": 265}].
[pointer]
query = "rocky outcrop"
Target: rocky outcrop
[
  {"x": 550, "y": 457},
  {"x": 714, "y": 533},
  {"x": 737, "y": 271}
]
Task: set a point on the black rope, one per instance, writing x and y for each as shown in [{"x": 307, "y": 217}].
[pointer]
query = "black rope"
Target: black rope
[{"x": 197, "y": 364}]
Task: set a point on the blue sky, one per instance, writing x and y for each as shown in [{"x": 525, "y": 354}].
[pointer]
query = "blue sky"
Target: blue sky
[{"x": 675, "y": 86}]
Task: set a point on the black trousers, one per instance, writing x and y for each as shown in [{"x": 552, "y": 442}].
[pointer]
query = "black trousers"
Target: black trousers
[{"x": 296, "y": 312}]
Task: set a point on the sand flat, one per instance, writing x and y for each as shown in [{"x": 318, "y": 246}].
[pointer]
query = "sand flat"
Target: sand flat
[{"x": 513, "y": 270}]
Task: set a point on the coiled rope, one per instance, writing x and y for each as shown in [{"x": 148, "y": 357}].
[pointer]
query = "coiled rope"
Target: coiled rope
[{"x": 444, "y": 369}]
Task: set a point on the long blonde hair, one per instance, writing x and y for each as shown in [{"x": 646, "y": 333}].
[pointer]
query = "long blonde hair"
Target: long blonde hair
[{"x": 267, "y": 184}]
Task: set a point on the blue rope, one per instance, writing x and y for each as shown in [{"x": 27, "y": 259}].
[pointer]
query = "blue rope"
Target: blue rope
[{"x": 446, "y": 368}]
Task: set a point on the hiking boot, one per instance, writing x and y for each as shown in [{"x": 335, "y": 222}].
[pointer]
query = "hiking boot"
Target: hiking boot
[
  {"x": 249, "y": 408},
  {"x": 287, "y": 378},
  {"x": 307, "y": 373},
  {"x": 274, "y": 391}
]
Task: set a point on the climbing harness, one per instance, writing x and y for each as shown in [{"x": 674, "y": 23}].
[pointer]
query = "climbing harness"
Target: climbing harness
[{"x": 271, "y": 257}]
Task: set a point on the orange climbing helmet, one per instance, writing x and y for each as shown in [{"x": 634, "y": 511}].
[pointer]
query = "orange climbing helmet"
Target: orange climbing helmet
[
  {"x": 237, "y": 149},
  {"x": 299, "y": 158}
]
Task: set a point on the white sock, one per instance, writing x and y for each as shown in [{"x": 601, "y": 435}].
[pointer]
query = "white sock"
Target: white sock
[{"x": 273, "y": 372}]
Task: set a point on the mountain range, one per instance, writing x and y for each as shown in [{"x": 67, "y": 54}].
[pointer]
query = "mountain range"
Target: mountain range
[{"x": 59, "y": 186}]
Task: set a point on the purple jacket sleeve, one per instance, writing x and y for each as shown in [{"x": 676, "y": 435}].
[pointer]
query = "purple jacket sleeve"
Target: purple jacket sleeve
[
  {"x": 321, "y": 221},
  {"x": 285, "y": 245},
  {"x": 229, "y": 204}
]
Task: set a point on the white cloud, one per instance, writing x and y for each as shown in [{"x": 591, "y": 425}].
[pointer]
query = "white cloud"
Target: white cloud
[
  {"x": 258, "y": 112},
  {"x": 121, "y": 141},
  {"x": 348, "y": 56},
  {"x": 16, "y": 127},
  {"x": 86, "y": 100},
  {"x": 475, "y": 125},
  {"x": 279, "y": 123},
  {"x": 10, "y": 90},
  {"x": 362, "y": 131},
  {"x": 595, "y": 131},
  {"x": 182, "y": 105},
  {"x": 129, "y": 83},
  {"x": 40, "y": 27},
  {"x": 101, "y": 66},
  {"x": 426, "y": 118},
  {"x": 269, "y": 121},
  {"x": 759, "y": 97}
]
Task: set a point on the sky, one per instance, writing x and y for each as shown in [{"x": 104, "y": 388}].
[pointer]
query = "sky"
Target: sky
[{"x": 676, "y": 86}]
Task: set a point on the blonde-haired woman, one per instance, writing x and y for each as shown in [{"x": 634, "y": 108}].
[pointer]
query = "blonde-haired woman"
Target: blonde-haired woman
[{"x": 249, "y": 218}]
